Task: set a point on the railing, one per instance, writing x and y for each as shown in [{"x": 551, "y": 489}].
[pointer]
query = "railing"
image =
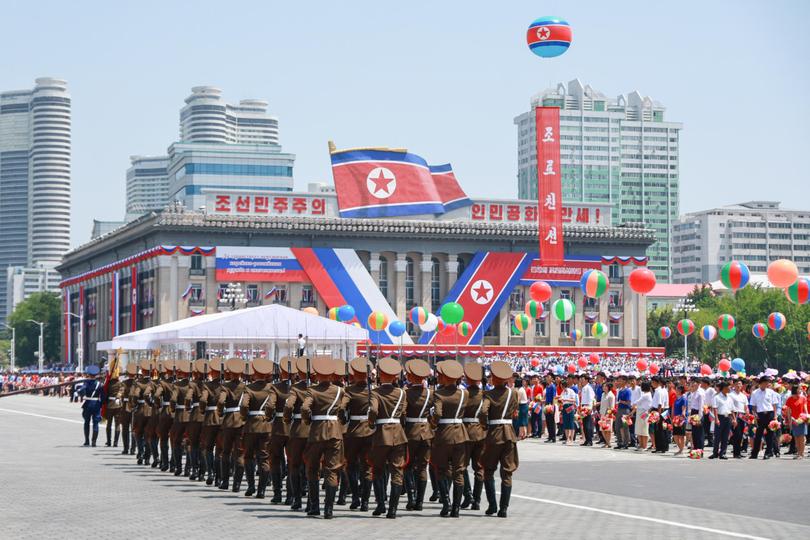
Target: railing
[{"x": 196, "y": 271}]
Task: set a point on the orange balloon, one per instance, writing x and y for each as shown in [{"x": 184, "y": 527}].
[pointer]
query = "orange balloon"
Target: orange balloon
[{"x": 782, "y": 273}]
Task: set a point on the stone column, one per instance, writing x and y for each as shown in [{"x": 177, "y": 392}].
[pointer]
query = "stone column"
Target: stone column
[
  {"x": 578, "y": 321},
  {"x": 427, "y": 273},
  {"x": 627, "y": 316},
  {"x": 504, "y": 326},
  {"x": 451, "y": 267},
  {"x": 374, "y": 267},
  {"x": 399, "y": 299},
  {"x": 173, "y": 297},
  {"x": 604, "y": 316}
]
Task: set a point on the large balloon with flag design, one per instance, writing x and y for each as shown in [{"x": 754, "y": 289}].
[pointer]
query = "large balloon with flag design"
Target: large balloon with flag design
[
  {"x": 594, "y": 283},
  {"x": 799, "y": 292},
  {"x": 563, "y": 309},
  {"x": 759, "y": 330},
  {"x": 419, "y": 315},
  {"x": 735, "y": 275},
  {"x": 533, "y": 309},
  {"x": 665, "y": 332},
  {"x": 725, "y": 322},
  {"x": 686, "y": 327},
  {"x": 708, "y": 332},
  {"x": 548, "y": 37},
  {"x": 776, "y": 321}
]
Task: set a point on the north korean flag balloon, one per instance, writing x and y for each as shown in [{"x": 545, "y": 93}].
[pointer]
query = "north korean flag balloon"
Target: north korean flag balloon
[
  {"x": 799, "y": 292},
  {"x": 548, "y": 37},
  {"x": 776, "y": 321},
  {"x": 725, "y": 322},
  {"x": 735, "y": 275},
  {"x": 665, "y": 332},
  {"x": 759, "y": 330},
  {"x": 686, "y": 327}
]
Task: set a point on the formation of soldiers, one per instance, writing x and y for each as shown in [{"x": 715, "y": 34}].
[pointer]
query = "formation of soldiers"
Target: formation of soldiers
[{"x": 304, "y": 426}]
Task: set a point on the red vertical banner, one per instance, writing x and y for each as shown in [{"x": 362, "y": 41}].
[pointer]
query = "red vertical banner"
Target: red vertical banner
[
  {"x": 66, "y": 294},
  {"x": 549, "y": 186},
  {"x": 133, "y": 309},
  {"x": 80, "y": 331},
  {"x": 113, "y": 307}
]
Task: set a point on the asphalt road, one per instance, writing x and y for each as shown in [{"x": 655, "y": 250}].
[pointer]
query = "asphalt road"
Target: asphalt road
[{"x": 54, "y": 488}]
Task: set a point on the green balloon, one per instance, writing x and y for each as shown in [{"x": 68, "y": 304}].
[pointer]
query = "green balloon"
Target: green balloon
[
  {"x": 452, "y": 313},
  {"x": 728, "y": 334}
]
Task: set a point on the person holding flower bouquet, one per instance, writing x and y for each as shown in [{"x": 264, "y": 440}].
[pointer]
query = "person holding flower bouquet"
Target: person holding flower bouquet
[
  {"x": 764, "y": 401},
  {"x": 723, "y": 408},
  {"x": 569, "y": 409},
  {"x": 550, "y": 396},
  {"x": 695, "y": 401},
  {"x": 660, "y": 404},
  {"x": 587, "y": 397},
  {"x": 740, "y": 400},
  {"x": 642, "y": 410},
  {"x": 606, "y": 412},
  {"x": 624, "y": 405},
  {"x": 679, "y": 419},
  {"x": 798, "y": 417}
]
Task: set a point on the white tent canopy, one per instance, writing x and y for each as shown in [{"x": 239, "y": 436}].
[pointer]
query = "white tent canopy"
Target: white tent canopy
[{"x": 262, "y": 324}]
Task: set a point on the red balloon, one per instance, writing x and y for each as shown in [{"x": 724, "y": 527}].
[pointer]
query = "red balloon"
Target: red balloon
[
  {"x": 594, "y": 358},
  {"x": 724, "y": 364},
  {"x": 641, "y": 365},
  {"x": 705, "y": 369},
  {"x": 540, "y": 291},
  {"x": 448, "y": 330},
  {"x": 571, "y": 368},
  {"x": 654, "y": 369},
  {"x": 535, "y": 362},
  {"x": 642, "y": 280},
  {"x": 582, "y": 362}
]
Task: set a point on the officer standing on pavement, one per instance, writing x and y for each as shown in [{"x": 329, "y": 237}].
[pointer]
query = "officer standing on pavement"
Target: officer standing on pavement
[
  {"x": 178, "y": 407},
  {"x": 299, "y": 432},
  {"x": 196, "y": 416},
  {"x": 113, "y": 404},
  {"x": 209, "y": 395},
  {"x": 93, "y": 393},
  {"x": 162, "y": 396}
]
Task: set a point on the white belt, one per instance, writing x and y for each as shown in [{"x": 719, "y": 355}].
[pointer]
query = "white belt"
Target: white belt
[
  {"x": 91, "y": 399},
  {"x": 255, "y": 413},
  {"x": 196, "y": 403},
  {"x": 164, "y": 403},
  {"x": 359, "y": 417},
  {"x": 211, "y": 408},
  {"x": 141, "y": 401},
  {"x": 180, "y": 407},
  {"x": 126, "y": 400},
  {"x": 112, "y": 399},
  {"x": 387, "y": 421},
  {"x": 297, "y": 416},
  {"x": 499, "y": 422},
  {"x": 449, "y": 420},
  {"x": 416, "y": 420},
  {"x": 469, "y": 420},
  {"x": 279, "y": 415},
  {"x": 231, "y": 409},
  {"x": 324, "y": 417}
]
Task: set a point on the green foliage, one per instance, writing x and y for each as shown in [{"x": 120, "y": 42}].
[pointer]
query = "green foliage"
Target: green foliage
[
  {"x": 45, "y": 307},
  {"x": 787, "y": 349}
]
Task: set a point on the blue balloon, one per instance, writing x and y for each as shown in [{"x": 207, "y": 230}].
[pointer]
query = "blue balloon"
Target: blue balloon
[
  {"x": 396, "y": 328},
  {"x": 559, "y": 370},
  {"x": 345, "y": 313},
  {"x": 738, "y": 364}
]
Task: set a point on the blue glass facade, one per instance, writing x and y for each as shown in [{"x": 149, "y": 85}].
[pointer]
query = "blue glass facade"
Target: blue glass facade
[{"x": 238, "y": 169}]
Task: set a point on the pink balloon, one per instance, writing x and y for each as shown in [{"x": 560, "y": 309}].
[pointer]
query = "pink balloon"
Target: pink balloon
[
  {"x": 641, "y": 365},
  {"x": 582, "y": 362},
  {"x": 654, "y": 369},
  {"x": 705, "y": 369},
  {"x": 724, "y": 364},
  {"x": 594, "y": 358},
  {"x": 571, "y": 368},
  {"x": 535, "y": 362}
]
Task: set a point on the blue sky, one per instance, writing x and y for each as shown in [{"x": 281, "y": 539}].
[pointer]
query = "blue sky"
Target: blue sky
[{"x": 443, "y": 79}]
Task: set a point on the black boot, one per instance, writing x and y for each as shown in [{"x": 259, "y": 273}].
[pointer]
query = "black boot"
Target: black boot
[
  {"x": 489, "y": 489},
  {"x": 458, "y": 493},
  {"x": 95, "y": 437},
  {"x": 189, "y": 461},
  {"x": 354, "y": 488},
  {"x": 393, "y": 501},
  {"x": 467, "y": 490},
  {"x": 224, "y": 473},
  {"x": 217, "y": 471},
  {"x": 410, "y": 490},
  {"x": 313, "y": 504},
  {"x": 329, "y": 501},
  {"x": 132, "y": 442},
  {"x": 250, "y": 473},
  {"x": 164, "y": 456},
  {"x": 434, "y": 485},
  {"x": 379, "y": 496},
  {"x": 288, "y": 485},
  {"x": 209, "y": 468},
  {"x": 86, "y": 435},
  {"x": 295, "y": 489},
  {"x": 506, "y": 492},
  {"x": 193, "y": 458},
  {"x": 237, "y": 478},
  {"x": 108, "y": 430},
  {"x": 263, "y": 477},
  {"x": 177, "y": 456},
  {"x": 153, "y": 444},
  {"x": 115, "y": 439},
  {"x": 125, "y": 440},
  {"x": 476, "y": 502},
  {"x": 444, "y": 497},
  {"x": 341, "y": 499},
  {"x": 276, "y": 479},
  {"x": 365, "y": 493},
  {"x": 421, "y": 486},
  {"x": 140, "y": 446}
]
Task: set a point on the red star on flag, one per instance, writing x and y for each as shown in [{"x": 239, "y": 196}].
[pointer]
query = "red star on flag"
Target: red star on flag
[
  {"x": 381, "y": 183},
  {"x": 482, "y": 291}
]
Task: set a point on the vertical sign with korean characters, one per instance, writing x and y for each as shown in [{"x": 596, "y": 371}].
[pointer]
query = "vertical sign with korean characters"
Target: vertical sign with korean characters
[{"x": 549, "y": 185}]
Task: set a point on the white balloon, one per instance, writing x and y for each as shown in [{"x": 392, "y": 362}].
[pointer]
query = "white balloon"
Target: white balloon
[{"x": 430, "y": 324}]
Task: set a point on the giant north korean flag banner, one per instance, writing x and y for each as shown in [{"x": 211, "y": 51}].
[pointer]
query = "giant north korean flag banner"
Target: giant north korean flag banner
[{"x": 549, "y": 185}]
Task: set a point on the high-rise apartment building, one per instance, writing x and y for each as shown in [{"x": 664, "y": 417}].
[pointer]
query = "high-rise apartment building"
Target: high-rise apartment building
[
  {"x": 755, "y": 233},
  {"x": 221, "y": 146},
  {"x": 618, "y": 151},
  {"x": 35, "y": 150}
]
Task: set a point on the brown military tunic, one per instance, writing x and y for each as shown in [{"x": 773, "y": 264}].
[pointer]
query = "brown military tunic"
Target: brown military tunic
[
  {"x": 357, "y": 439},
  {"x": 500, "y": 405},
  {"x": 389, "y": 443},
  {"x": 125, "y": 412},
  {"x": 161, "y": 400},
  {"x": 229, "y": 404},
  {"x": 178, "y": 407},
  {"x": 115, "y": 395},
  {"x": 475, "y": 430},
  {"x": 209, "y": 393},
  {"x": 450, "y": 442},
  {"x": 257, "y": 429},
  {"x": 196, "y": 414},
  {"x": 140, "y": 398},
  {"x": 299, "y": 431},
  {"x": 417, "y": 429},
  {"x": 280, "y": 431},
  {"x": 321, "y": 411}
]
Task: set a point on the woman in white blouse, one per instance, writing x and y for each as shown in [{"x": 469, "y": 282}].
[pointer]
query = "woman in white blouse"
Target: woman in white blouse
[
  {"x": 569, "y": 401},
  {"x": 606, "y": 406},
  {"x": 642, "y": 408}
]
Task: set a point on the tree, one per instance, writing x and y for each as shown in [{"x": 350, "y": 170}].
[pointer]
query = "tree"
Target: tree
[{"x": 45, "y": 307}]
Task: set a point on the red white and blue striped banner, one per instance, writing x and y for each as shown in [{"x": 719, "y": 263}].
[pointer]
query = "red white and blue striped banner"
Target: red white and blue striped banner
[
  {"x": 247, "y": 263},
  {"x": 68, "y": 341}
]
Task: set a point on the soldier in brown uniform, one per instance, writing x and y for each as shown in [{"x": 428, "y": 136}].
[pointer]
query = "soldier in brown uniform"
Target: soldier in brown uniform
[
  {"x": 162, "y": 397},
  {"x": 357, "y": 439},
  {"x": 152, "y": 437},
  {"x": 389, "y": 443},
  {"x": 125, "y": 412},
  {"x": 473, "y": 374},
  {"x": 141, "y": 399},
  {"x": 196, "y": 417},
  {"x": 321, "y": 410},
  {"x": 299, "y": 432},
  {"x": 256, "y": 432},
  {"x": 450, "y": 442},
  {"x": 418, "y": 431},
  {"x": 209, "y": 395},
  {"x": 500, "y": 405},
  {"x": 115, "y": 397},
  {"x": 280, "y": 431},
  {"x": 181, "y": 415},
  {"x": 229, "y": 404}
]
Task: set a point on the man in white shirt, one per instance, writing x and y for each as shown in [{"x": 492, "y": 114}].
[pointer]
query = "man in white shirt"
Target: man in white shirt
[
  {"x": 635, "y": 394},
  {"x": 587, "y": 397},
  {"x": 708, "y": 402},
  {"x": 696, "y": 398},
  {"x": 660, "y": 403},
  {"x": 740, "y": 401},
  {"x": 764, "y": 403},
  {"x": 723, "y": 408},
  {"x": 302, "y": 344}
]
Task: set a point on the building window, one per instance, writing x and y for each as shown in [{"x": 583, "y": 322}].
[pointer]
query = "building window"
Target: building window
[
  {"x": 540, "y": 327},
  {"x": 565, "y": 293},
  {"x": 307, "y": 295},
  {"x": 221, "y": 288},
  {"x": 435, "y": 284},
  {"x": 516, "y": 302},
  {"x": 409, "y": 284},
  {"x": 384, "y": 277},
  {"x": 462, "y": 265},
  {"x": 196, "y": 294},
  {"x": 614, "y": 299},
  {"x": 196, "y": 262},
  {"x": 565, "y": 328},
  {"x": 614, "y": 271},
  {"x": 614, "y": 329},
  {"x": 279, "y": 295},
  {"x": 252, "y": 294}
]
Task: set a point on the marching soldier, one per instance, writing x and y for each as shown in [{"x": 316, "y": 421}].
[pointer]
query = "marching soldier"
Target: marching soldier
[
  {"x": 139, "y": 398},
  {"x": 299, "y": 432},
  {"x": 162, "y": 397},
  {"x": 257, "y": 429},
  {"x": 280, "y": 431},
  {"x": 320, "y": 410},
  {"x": 357, "y": 439},
  {"x": 209, "y": 396},
  {"x": 418, "y": 431},
  {"x": 179, "y": 404},
  {"x": 473, "y": 374},
  {"x": 229, "y": 404},
  {"x": 114, "y": 403},
  {"x": 500, "y": 405},
  {"x": 196, "y": 416},
  {"x": 93, "y": 392},
  {"x": 125, "y": 412},
  {"x": 449, "y": 444},
  {"x": 152, "y": 437},
  {"x": 389, "y": 443}
]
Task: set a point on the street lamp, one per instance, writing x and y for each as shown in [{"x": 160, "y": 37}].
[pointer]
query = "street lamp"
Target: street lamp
[
  {"x": 13, "y": 342},
  {"x": 233, "y": 295},
  {"x": 80, "y": 348},
  {"x": 685, "y": 306},
  {"x": 41, "y": 331}
]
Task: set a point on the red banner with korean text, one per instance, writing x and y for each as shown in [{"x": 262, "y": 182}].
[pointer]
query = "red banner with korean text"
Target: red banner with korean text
[{"x": 549, "y": 185}]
